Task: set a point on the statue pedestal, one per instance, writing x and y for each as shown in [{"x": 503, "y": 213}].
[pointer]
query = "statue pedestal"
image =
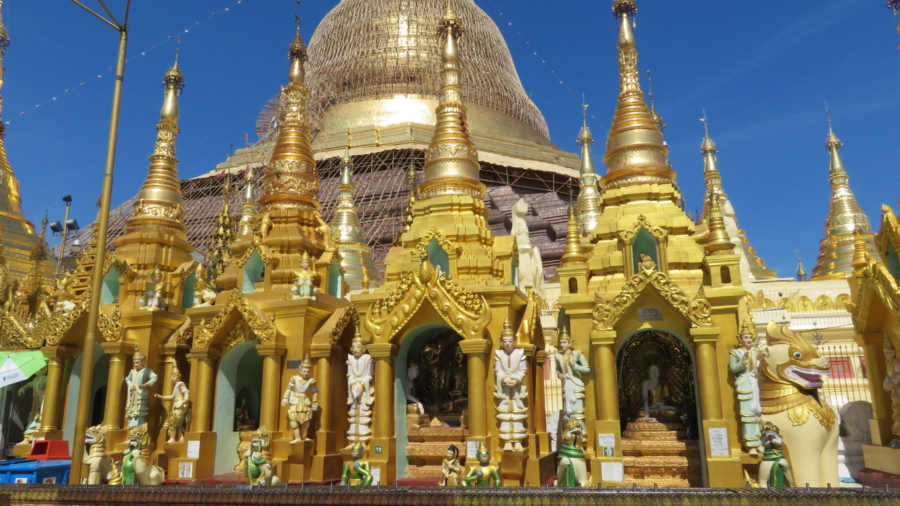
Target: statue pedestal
[
  {"x": 326, "y": 464},
  {"x": 882, "y": 458},
  {"x": 512, "y": 467},
  {"x": 21, "y": 450},
  {"x": 194, "y": 457},
  {"x": 293, "y": 461}
]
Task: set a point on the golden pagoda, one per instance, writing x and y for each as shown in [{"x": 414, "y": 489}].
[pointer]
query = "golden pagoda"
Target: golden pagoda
[
  {"x": 844, "y": 218},
  {"x": 588, "y": 202},
  {"x": 19, "y": 236}
]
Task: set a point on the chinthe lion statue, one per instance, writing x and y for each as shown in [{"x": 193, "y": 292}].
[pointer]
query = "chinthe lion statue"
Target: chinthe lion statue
[
  {"x": 136, "y": 466},
  {"x": 790, "y": 376},
  {"x": 96, "y": 457}
]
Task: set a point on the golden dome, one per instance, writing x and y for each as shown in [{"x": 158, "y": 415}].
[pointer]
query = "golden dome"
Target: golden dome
[{"x": 376, "y": 63}]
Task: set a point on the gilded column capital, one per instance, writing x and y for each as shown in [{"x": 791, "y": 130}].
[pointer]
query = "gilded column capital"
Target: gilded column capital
[
  {"x": 321, "y": 350},
  {"x": 169, "y": 349},
  {"x": 381, "y": 350},
  {"x": 705, "y": 335},
  {"x": 475, "y": 346},
  {"x": 59, "y": 351},
  {"x": 603, "y": 337},
  {"x": 118, "y": 347},
  {"x": 271, "y": 349},
  {"x": 204, "y": 353}
]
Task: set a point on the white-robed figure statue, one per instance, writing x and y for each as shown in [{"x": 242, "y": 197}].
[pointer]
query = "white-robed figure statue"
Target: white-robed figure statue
[
  {"x": 571, "y": 364},
  {"x": 510, "y": 368},
  {"x": 139, "y": 381},
  {"x": 361, "y": 395},
  {"x": 742, "y": 362}
]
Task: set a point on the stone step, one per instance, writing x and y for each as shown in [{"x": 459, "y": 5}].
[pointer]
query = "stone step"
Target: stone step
[
  {"x": 666, "y": 462},
  {"x": 654, "y": 435},
  {"x": 660, "y": 482},
  {"x": 636, "y": 447},
  {"x": 431, "y": 453},
  {"x": 424, "y": 472},
  {"x": 432, "y": 434},
  {"x": 643, "y": 426}
]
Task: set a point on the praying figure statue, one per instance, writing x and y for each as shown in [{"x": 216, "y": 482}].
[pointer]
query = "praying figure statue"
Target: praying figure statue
[
  {"x": 301, "y": 395},
  {"x": 360, "y": 371},
  {"x": 38, "y": 387},
  {"x": 358, "y": 472},
  {"x": 742, "y": 362},
  {"x": 510, "y": 368},
  {"x": 655, "y": 394},
  {"x": 204, "y": 296},
  {"x": 892, "y": 383},
  {"x": 62, "y": 297},
  {"x": 154, "y": 297},
  {"x": 571, "y": 364},
  {"x": 138, "y": 381},
  {"x": 305, "y": 285},
  {"x": 451, "y": 468},
  {"x": 483, "y": 474},
  {"x": 412, "y": 402},
  {"x": 181, "y": 406}
]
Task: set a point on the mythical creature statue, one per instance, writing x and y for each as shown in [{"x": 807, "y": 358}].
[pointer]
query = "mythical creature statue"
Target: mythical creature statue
[
  {"x": 136, "y": 466},
  {"x": 257, "y": 468},
  {"x": 96, "y": 458},
  {"x": 450, "y": 468},
  {"x": 774, "y": 470},
  {"x": 790, "y": 375},
  {"x": 358, "y": 472},
  {"x": 483, "y": 473},
  {"x": 572, "y": 468},
  {"x": 301, "y": 396}
]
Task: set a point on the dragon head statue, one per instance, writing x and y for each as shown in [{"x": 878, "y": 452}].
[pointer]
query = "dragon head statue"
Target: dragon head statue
[
  {"x": 95, "y": 435},
  {"x": 790, "y": 359}
]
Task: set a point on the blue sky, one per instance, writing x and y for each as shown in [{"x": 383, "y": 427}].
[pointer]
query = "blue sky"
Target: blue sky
[{"x": 761, "y": 71}]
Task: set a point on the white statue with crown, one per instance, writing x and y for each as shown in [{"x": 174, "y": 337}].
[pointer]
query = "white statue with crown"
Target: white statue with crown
[{"x": 360, "y": 372}]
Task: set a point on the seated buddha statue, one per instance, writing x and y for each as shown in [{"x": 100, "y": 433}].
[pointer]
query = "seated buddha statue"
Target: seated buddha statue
[{"x": 655, "y": 394}]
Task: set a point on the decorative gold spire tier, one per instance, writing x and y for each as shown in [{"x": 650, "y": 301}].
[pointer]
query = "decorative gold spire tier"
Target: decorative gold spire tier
[
  {"x": 713, "y": 178},
  {"x": 718, "y": 243},
  {"x": 635, "y": 153},
  {"x": 291, "y": 180},
  {"x": 844, "y": 219},
  {"x": 19, "y": 236},
  {"x": 451, "y": 162},
  {"x": 247, "y": 224},
  {"x": 159, "y": 202},
  {"x": 573, "y": 253},
  {"x": 347, "y": 233},
  {"x": 588, "y": 202},
  {"x": 155, "y": 235}
]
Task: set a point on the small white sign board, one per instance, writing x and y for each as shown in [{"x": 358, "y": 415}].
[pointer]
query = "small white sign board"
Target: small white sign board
[
  {"x": 607, "y": 444},
  {"x": 186, "y": 469},
  {"x": 193, "y": 449},
  {"x": 471, "y": 449},
  {"x": 376, "y": 476},
  {"x": 718, "y": 442},
  {"x": 612, "y": 471},
  {"x": 650, "y": 314}
]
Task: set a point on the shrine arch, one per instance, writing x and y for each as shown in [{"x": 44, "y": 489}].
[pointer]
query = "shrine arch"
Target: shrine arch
[{"x": 239, "y": 374}]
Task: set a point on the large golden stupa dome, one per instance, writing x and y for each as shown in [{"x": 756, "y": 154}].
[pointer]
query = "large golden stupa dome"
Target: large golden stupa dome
[{"x": 375, "y": 63}]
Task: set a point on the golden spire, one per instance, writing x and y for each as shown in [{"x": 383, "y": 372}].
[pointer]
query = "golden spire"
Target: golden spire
[
  {"x": 635, "y": 152},
  {"x": 845, "y": 219},
  {"x": 656, "y": 116},
  {"x": 588, "y": 202},
  {"x": 451, "y": 161},
  {"x": 291, "y": 180},
  {"x": 159, "y": 202},
  {"x": 217, "y": 254},
  {"x": 573, "y": 253},
  {"x": 710, "y": 170},
  {"x": 412, "y": 182},
  {"x": 718, "y": 243},
  {"x": 347, "y": 233},
  {"x": 248, "y": 209},
  {"x": 860, "y": 251},
  {"x": 801, "y": 271}
]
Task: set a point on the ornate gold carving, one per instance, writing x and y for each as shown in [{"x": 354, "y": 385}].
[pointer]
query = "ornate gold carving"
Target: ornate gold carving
[
  {"x": 111, "y": 327},
  {"x": 466, "y": 312},
  {"x": 446, "y": 245},
  {"x": 257, "y": 321},
  {"x": 153, "y": 208},
  {"x": 642, "y": 222},
  {"x": 875, "y": 281},
  {"x": 257, "y": 246},
  {"x": 697, "y": 310},
  {"x": 350, "y": 314}
]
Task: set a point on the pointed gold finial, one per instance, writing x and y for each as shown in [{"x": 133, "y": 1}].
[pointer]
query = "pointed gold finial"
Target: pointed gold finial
[
  {"x": 291, "y": 180},
  {"x": 588, "y": 202},
  {"x": 845, "y": 219},
  {"x": 451, "y": 161},
  {"x": 247, "y": 224},
  {"x": 710, "y": 170},
  {"x": 719, "y": 243},
  {"x": 657, "y": 118},
  {"x": 573, "y": 254},
  {"x": 159, "y": 201},
  {"x": 801, "y": 270},
  {"x": 635, "y": 151},
  {"x": 860, "y": 250}
]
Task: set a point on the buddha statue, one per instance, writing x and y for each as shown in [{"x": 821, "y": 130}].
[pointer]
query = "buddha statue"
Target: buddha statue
[
  {"x": 655, "y": 394},
  {"x": 413, "y": 404},
  {"x": 242, "y": 420}
]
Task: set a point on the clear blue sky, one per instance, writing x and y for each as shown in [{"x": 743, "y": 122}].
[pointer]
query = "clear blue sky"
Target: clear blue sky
[{"x": 761, "y": 70}]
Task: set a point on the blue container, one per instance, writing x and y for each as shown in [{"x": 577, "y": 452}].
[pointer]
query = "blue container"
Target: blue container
[{"x": 35, "y": 471}]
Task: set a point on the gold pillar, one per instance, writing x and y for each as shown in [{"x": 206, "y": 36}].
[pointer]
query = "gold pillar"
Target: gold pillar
[
  {"x": 880, "y": 424},
  {"x": 322, "y": 354},
  {"x": 606, "y": 391},
  {"x": 708, "y": 372},
  {"x": 119, "y": 353},
  {"x": 540, "y": 410},
  {"x": 204, "y": 361},
  {"x": 476, "y": 351},
  {"x": 271, "y": 384},
  {"x": 52, "y": 398},
  {"x": 383, "y": 353}
]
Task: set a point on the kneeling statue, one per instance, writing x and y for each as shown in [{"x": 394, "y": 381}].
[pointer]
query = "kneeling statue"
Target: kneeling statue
[
  {"x": 774, "y": 469},
  {"x": 572, "y": 469},
  {"x": 483, "y": 473},
  {"x": 359, "y": 471},
  {"x": 256, "y": 468}
]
